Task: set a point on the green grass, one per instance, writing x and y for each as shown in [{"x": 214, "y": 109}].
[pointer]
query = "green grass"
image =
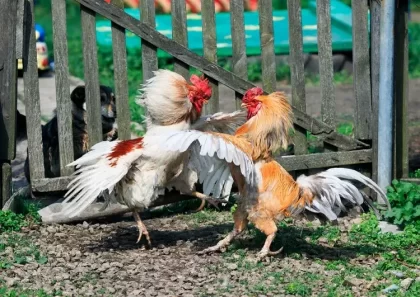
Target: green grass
[
  {"x": 361, "y": 243},
  {"x": 23, "y": 251}
]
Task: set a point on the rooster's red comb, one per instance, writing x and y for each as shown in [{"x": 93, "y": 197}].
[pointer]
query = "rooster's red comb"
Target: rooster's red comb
[
  {"x": 201, "y": 84},
  {"x": 252, "y": 93}
]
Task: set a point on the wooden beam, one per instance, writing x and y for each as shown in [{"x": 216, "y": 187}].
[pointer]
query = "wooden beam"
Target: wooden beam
[
  {"x": 323, "y": 160},
  {"x": 8, "y": 74},
  {"x": 268, "y": 61},
  {"x": 323, "y": 12},
  {"x": 210, "y": 50},
  {"x": 291, "y": 163},
  {"x": 401, "y": 90},
  {"x": 119, "y": 51},
  {"x": 361, "y": 70},
  {"x": 239, "y": 59},
  {"x": 62, "y": 87},
  {"x": 375, "y": 21},
  {"x": 31, "y": 94},
  {"x": 148, "y": 50},
  {"x": 218, "y": 73},
  {"x": 90, "y": 63},
  {"x": 92, "y": 211},
  {"x": 180, "y": 34},
  {"x": 297, "y": 70},
  {"x": 5, "y": 183}
]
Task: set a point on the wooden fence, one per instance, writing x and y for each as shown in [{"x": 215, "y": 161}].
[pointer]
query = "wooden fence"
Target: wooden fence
[{"x": 339, "y": 149}]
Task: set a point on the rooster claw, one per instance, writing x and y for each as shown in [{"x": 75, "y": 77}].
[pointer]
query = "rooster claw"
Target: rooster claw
[
  {"x": 210, "y": 250},
  {"x": 265, "y": 252},
  {"x": 213, "y": 201}
]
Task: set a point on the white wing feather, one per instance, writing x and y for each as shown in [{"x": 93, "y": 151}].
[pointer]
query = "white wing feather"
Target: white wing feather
[
  {"x": 209, "y": 157},
  {"x": 94, "y": 176}
]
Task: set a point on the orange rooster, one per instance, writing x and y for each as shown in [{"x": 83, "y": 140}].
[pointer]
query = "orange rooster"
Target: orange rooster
[
  {"x": 273, "y": 194},
  {"x": 136, "y": 171}
]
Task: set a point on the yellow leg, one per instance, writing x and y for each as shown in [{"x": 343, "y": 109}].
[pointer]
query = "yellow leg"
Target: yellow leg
[
  {"x": 141, "y": 227},
  {"x": 241, "y": 221}
]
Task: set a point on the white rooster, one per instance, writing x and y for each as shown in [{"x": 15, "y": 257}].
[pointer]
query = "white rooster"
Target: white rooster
[{"x": 139, "y": 169}]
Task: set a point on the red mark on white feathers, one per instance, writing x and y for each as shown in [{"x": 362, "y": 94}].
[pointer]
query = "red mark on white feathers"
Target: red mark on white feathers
[{"x": 123, "y": 148}]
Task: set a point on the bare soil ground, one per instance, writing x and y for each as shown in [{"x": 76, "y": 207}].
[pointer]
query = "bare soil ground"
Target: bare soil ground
[{"x": 104, "y": 260}]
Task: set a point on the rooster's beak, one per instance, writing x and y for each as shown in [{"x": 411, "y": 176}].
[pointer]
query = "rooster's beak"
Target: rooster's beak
[{"x": 243, "y": 105}]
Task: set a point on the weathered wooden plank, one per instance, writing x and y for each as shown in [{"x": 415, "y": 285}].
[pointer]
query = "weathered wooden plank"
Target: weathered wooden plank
[
  {"x": 120, "y": 77},
  {"x": 148, "y": 50},
  {"x": 297, "y": 70},
  {"x": 401, "y": 90},
  {"x": 179, "y": 34},
  {"x": 330, "y": 159},
  {"x": 361, "y": 70},
  {"x": 323, "y": 12},
  {"x": 291, "y": 163},
  {"x": 31, "y": 94},
  {"x": 239, "y": 59},
  {"x": 5, "y": 182},
  {"x": 223, "y": 76},
  {"x": 62, "y": 87},
  {"x": 19, "y": 28},
  {"x": 268, "y": 61},
  {"x": 92, "y": 211},
  {"x": 8, "y": 74},
  {"x": 90, "y": 61},
  {"x": 210, "y": 50},
  {"x": 411, "y": 180},
  {"x": 375, "y": 21}
]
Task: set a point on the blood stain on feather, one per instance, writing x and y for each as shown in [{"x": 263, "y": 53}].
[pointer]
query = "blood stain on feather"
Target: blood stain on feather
[{"x": 123, "y": 148}]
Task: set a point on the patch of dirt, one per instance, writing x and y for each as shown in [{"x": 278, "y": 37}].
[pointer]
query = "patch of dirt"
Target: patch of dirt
[{"x": 104, "y": 260}]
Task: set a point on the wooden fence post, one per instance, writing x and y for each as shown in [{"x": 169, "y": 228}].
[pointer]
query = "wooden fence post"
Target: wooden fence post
[
  {"x": 401, "y": 166},
  {"x": 8, "y": 90}
]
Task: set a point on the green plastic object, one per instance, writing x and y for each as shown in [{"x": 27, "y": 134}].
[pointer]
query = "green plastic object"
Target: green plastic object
[{"x": 341, "y": 22}]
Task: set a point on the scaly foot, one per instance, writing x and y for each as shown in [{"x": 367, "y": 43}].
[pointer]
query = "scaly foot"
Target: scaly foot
[
  {"x": 266, "y": 252},
  {"x": 142, "y": 228}
]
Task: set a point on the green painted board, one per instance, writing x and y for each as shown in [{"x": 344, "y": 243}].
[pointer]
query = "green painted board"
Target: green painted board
[{"x": 341, "y": 31}]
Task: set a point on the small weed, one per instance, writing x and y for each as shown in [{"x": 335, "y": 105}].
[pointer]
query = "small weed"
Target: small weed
[
  {"x": 298, "y": 288},
  {"x": 16, "y": 249},
  {"x": 10, "y": 221}
]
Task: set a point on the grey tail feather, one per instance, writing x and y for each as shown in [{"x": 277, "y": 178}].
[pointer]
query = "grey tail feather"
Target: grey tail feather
[{"x": 334, "y": 193}]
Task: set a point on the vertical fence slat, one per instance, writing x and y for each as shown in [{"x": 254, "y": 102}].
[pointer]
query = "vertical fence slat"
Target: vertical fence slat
[
  {"x": 148, "y": 50},
  {"x": 62, "y": 86},
  {"x": 323, "y": 12},
  {"x": 375, "y": 21},
  {"x": 268, "y": 62},
  {"x": 8, "y": 21},
  {"x": 239, "y": 59},
  {"x": 179, "y": 33},
  {"x": 361, "y": 70},
  {"x": 210, "y": 50},
  {"x": 5, "y": 183},
  {"x": 19, "y": 28},
  {"x": 401, "y": 90},
  {"x": 297, "y": 69},
  {"x": 120, "y": 77},
  {"x": 31, "y": 94},
  {"x": 90, "y": 60}
]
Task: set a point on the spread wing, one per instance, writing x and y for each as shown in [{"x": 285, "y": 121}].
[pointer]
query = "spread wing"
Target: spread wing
[
  {"x": 99, "y": 170},
  {"x": 210, "y": 156},
  {"x": 220, "y": 122}
]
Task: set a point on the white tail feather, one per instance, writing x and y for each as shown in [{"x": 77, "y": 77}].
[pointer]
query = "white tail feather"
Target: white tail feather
[{"x": 334, "y": 193}]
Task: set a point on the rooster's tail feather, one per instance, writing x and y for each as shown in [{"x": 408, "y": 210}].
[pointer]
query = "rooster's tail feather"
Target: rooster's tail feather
[{"x": 332, "y": 192}]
